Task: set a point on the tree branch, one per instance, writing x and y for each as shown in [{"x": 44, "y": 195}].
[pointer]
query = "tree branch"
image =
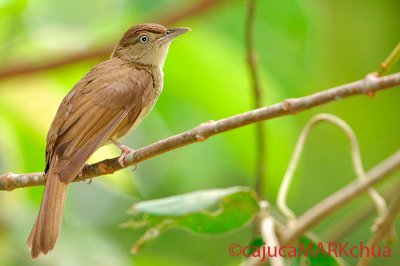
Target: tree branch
[
  {"x": 103, "y": 52},
  {"x": 206, "y": 130},
  {"x": 314, "y": 215},
  {"x": 357, "y": 217}
]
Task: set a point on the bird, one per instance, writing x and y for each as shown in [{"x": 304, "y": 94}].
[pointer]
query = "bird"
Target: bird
[{"x": 105, "y": 105}]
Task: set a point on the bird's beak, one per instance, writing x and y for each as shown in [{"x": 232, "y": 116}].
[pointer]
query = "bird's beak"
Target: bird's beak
[{"x": 172, "y": 33}]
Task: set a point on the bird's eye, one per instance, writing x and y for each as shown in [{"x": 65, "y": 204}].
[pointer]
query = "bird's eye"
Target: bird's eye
[{"x": 144, "y": 38}]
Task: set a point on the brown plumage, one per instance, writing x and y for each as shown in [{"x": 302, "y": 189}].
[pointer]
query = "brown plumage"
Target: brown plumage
[{"x": 105, "y": 105}]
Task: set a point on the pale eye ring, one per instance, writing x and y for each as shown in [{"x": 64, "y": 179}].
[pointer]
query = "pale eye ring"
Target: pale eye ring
[{"x": 143, "y": 38}]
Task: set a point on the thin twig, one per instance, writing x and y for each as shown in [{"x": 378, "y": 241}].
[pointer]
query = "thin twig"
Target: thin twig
[
  {"x": 271, "y": 240},
  {"x": 267, "y": 227},
  {"x": 314, "y": 215},
  {"x": 195, "y": 9},
  {"x": 390, "y": 60},
  {"x": 206, "y": 130},
  {"x": 355, "y": 156},
  {"x": 257, "y": 94},
  {"x": 384, "y": 230}
]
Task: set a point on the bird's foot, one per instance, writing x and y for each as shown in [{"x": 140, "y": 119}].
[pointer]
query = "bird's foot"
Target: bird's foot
[{"x": 125, "y": 150}]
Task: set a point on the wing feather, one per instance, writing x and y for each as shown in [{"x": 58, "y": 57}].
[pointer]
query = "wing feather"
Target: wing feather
[{"x": 106, "y": 100}]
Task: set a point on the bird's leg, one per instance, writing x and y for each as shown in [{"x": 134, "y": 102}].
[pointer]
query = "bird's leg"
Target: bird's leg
[{"x": 125, "y": 150}]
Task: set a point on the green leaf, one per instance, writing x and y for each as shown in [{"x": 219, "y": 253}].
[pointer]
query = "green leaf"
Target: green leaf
[{"x": 208, "y": 212}]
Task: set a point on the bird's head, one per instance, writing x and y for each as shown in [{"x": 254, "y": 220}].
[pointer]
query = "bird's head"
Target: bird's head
[{"x": 146, "y": 44}]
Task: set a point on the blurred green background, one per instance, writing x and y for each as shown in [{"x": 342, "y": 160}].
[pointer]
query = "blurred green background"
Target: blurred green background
[{"x": 303, "y": 47}]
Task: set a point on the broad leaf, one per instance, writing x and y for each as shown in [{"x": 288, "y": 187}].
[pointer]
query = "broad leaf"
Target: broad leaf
[{"x": 209, "y": 212}]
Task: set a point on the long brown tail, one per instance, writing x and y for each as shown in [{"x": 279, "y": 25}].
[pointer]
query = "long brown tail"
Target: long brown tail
[{"x": 47, "y": 226}]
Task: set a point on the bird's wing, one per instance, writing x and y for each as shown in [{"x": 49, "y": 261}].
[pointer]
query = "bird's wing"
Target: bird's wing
[{"x": 107, "y": 99}]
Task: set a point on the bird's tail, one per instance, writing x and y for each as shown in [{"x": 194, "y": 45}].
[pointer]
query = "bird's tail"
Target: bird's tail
[{"x": 47, "y": 226}]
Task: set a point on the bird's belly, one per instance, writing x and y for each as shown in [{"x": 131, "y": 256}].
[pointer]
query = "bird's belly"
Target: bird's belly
[
  {"x": 158, "y": 85},
  {"x": 145, "y": 111}
]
